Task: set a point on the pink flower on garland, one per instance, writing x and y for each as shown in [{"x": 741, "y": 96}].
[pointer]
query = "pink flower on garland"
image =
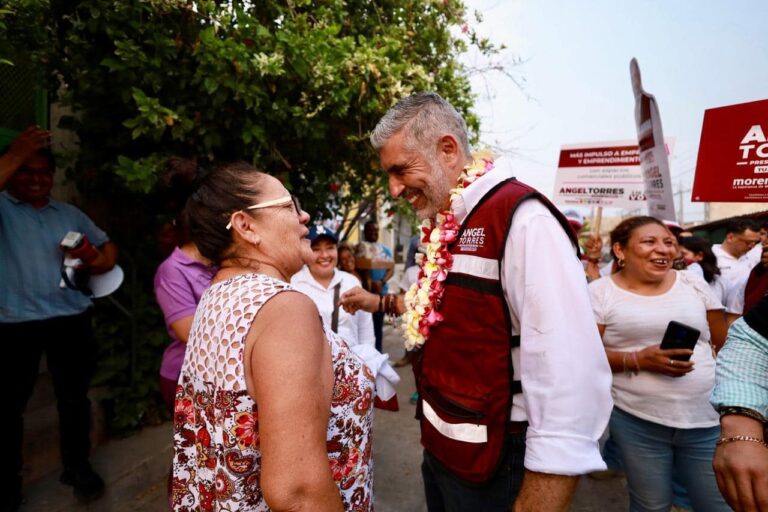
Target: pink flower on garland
[{"x": 424, "y": 298}]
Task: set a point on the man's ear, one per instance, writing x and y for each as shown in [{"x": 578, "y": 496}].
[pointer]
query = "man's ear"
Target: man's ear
[
  {"x": 448, "y": 150},
  {"x": 244, "y": 227}
]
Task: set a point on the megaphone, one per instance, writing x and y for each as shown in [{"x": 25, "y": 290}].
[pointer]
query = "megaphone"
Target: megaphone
[{"x": 76, "y": 276}]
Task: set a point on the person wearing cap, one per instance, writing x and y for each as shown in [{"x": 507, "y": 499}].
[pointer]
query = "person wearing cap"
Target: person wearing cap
[
  {"x": 38, "y": 315},
  {"x": 324, "y": 283}
]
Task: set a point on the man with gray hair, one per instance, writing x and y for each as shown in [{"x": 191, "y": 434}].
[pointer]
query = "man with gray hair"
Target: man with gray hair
[{"x": 513, "y": 380}]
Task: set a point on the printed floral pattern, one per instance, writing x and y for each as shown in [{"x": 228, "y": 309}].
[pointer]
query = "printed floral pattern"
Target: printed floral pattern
[{"x": 216, "y": 455}]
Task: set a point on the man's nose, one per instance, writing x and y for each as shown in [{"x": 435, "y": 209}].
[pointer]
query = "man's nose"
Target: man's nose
[{"x": 396, "y": 187}]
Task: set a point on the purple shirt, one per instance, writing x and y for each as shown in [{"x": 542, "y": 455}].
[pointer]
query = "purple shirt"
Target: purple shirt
[{"x": 179, "y": 283}]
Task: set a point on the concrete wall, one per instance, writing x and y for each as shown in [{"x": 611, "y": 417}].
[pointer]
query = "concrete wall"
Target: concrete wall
[{"x": 719, "y": 211}]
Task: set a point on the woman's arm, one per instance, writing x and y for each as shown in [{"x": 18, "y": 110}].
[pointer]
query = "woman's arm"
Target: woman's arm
[
  {"x": 181, "y": 328},
  {"x": 718, "y": 328},
  {"x": 649, "y": 359},
  {"x": 290, "y": 376},
  {"x": 615, "y": 358}
]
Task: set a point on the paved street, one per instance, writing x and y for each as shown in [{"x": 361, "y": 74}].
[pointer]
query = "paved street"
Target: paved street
[
  {"x": 136, "y": 468},
  {"x": 397, "y": 455}
]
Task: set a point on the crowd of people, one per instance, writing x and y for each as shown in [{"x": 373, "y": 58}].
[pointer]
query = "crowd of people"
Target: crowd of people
[{"x": 526, "y": 350}]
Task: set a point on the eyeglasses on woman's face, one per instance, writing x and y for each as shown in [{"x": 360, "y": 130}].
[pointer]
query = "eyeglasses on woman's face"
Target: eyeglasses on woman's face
[{"x": 280, "y": 201}]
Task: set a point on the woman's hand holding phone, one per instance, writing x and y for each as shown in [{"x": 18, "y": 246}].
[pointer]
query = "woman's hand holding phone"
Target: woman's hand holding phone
[{"x": 659, "y": 360}]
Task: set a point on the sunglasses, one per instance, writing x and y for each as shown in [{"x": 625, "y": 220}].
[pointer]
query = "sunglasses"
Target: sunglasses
[{"x": 280, "y": 201}]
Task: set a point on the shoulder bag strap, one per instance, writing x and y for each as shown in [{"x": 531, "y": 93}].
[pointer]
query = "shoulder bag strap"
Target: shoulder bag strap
[{"x": 335, "y": 316}]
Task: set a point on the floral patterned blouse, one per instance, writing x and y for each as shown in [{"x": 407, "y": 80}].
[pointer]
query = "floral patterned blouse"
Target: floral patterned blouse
[{"x": 217, "y": 458}]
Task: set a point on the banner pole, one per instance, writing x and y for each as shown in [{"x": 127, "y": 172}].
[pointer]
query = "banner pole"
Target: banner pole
[{"x": 596, "y": 221}]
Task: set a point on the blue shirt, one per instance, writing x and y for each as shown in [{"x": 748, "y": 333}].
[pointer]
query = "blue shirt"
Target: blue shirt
[
  {"x": 741, "y": 376},
  {"x": 30, "y": 259},
  {"x": 377, "y": 274}
]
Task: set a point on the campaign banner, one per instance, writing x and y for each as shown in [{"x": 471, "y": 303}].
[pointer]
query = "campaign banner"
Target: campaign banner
[
  {"x": 653, "y": 151},
  {"x": 600, "y": 174},
  {"x": 732, "y": 165}
]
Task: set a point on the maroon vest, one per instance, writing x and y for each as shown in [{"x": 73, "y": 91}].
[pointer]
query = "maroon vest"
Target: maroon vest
[
  {"x": 464, "y": 371},
  {"x": 757, "y": 287}
]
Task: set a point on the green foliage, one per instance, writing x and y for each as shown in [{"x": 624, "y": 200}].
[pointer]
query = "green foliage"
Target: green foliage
[
  {"x": 292, "y": 86},
  {"x": 129, "y": 359}
]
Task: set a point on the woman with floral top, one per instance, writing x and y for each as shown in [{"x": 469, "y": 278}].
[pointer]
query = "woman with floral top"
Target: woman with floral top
[{"x": 273, "y": 412}]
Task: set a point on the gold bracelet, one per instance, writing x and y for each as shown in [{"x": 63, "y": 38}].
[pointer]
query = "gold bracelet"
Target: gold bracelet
[{"x": 726, "y": 440}]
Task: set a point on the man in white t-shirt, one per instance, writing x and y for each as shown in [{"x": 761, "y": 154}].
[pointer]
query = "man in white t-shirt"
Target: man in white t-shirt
[
  {"x": 732, "y": 255},
  {"x": 756, "y": 252}
]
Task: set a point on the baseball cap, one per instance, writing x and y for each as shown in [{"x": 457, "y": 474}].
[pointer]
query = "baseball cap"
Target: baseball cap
[
  {"x": 673, "y": 226},
  {"x": 574, "y": 218},
  {"x": 317, "y": 232}
]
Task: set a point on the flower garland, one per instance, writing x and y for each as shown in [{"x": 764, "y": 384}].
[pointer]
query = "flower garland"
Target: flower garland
[{"x": 424, "y": 297}]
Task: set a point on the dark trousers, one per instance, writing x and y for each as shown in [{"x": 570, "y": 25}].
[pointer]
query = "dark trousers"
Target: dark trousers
[
  {"x": 378, "y": 329},
  {"x": 70, "y": 352},
  {"x": 447, "y": 493}
]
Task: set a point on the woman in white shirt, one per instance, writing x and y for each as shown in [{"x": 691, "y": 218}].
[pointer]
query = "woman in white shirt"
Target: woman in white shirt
[
  {"x": 322, "y": 282},
  {"x": 662, "y": 422},
  {"x": 700, "y": 259}
]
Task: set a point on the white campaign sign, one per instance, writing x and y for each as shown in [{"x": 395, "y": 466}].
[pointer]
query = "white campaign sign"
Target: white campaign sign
[
  {"x": 600, "y": 174},
  {"x": 653, "y": 152}
]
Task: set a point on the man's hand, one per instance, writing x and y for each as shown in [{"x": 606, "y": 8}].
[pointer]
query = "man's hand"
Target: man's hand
[
  {"x": 542, "y": 492},
  {"x": 741, "y": 467},
  {"x": 26, "y": 144},
  {"x": 359, "y": 299},
  {"x": 29, "y": 142},
  {"x": 85, "y": 251}
]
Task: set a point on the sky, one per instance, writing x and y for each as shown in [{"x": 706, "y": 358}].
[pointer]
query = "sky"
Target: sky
[{"x": 574, "y": 71}]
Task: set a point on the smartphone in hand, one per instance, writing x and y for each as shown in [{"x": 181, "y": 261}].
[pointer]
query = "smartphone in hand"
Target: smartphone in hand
[{"x": 680, "y": 335}]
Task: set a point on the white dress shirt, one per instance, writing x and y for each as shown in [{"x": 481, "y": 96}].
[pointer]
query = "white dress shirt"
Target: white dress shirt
[
  {"x": 561, "y": 362},
  {"x": 732, "y": 269},
  {"x": 719, "y": 286},
  {"x": 356, "y": 329}
]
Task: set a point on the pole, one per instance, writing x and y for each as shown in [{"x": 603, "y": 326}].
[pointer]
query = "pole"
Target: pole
[{"x": 598, "y": 219}]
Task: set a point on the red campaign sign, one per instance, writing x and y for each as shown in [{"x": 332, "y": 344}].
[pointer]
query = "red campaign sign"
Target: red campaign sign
[{"x": 733, "y": 154}]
